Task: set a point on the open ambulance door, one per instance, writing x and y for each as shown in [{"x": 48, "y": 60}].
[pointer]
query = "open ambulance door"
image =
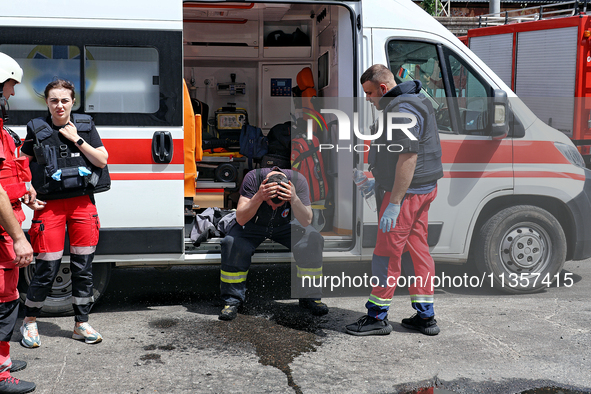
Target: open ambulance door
[{"x": 241, "y": 62}]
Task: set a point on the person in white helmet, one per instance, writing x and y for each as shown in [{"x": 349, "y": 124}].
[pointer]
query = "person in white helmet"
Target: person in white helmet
[{"x": 15, "y": 250}]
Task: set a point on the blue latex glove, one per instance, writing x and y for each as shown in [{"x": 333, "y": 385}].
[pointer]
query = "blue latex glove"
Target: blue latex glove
[
  {"x": 82, "y": 171},
  {"x": 368, "y": 186},
  {"x": 388, "y": 220},
  {"x": 57, "y": 175}
]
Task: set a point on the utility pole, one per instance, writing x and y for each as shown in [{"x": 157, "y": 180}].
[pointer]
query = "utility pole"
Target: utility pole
[{"x": 494, "y": 6}]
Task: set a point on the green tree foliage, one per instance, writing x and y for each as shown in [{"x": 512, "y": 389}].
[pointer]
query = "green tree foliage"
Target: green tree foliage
[{"x": 429, "y": 6}]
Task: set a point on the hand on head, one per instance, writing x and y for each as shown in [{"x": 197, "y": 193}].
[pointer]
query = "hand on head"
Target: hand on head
[{"x": 276, "y": 189}]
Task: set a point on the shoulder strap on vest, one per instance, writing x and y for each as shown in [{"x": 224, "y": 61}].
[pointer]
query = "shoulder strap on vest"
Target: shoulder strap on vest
[
  {"x": 41, "y": 129},
  {"x": 82, "y": 122}
]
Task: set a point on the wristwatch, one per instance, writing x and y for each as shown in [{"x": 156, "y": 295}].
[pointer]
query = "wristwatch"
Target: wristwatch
[{"x": 80, "y": 142}]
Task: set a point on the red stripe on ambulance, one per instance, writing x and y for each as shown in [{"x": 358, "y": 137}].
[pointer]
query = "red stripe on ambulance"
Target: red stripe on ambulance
[
  {"x": 132, "y": 151},
  {"x": 147, "y": 176},
  {"x": 510, "y": 174},
  {"x": 477, "y": 174},
  {"x": 482, "y": 151}
]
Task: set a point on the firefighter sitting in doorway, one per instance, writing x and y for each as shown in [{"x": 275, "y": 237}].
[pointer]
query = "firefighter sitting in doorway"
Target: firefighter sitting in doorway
[{"x": 268, "y": 198}]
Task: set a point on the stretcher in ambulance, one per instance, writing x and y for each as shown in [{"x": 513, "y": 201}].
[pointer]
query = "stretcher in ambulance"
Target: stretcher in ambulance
[{"x": 514, "y": 198}]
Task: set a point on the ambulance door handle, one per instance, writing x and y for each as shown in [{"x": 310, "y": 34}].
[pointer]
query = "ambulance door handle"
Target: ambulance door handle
[{"x": 162, "y": 147}]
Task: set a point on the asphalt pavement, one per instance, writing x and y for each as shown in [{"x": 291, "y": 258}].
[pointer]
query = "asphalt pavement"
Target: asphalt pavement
[{"x": 161, "y": 335}]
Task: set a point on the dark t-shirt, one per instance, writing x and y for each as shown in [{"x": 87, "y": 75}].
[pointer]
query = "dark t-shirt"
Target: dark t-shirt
[
  {"x": 91, "y": 137},
  {"x": 250, "y": 185}
]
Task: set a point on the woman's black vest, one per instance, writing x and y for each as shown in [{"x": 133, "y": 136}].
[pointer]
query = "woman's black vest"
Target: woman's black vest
[
  {"x": 60, "y": 172},
  {"x": 428, "y": 167}
]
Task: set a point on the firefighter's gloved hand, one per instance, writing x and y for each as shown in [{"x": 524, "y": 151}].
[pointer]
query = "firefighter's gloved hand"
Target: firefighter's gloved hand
[{"x": 388, "y": 220}]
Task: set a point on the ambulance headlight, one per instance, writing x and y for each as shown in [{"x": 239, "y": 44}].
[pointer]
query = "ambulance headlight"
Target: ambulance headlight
[{"x": 571, "y": 153}]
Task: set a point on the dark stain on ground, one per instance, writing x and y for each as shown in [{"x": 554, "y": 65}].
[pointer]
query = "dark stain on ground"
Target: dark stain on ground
[
  {"x": 541, "y": 390},
  {"x": 163, "y": 323},
  {"x": 152, "y": 357},
  {"x": 277, "y": 331},
  {"x": 552, "y": 390},
  {"x": 275, "y": 345},
  {"x": 148, "y": 358},
  {"x": 467, "y": 386},
  {"x": 162, "y": 347}
]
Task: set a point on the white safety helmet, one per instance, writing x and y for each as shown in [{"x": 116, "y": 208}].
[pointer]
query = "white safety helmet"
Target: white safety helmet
[{"x": 9, "y": 69}]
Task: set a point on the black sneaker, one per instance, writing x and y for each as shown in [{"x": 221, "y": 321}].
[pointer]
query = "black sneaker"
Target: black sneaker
[
  {"x": 426, "y": 326},
  {"x": 14, "y": 386},
  {"x": 367, "y": 325},
  {"x": 316, "y": 307},
  {"x": 229, "y": 312},
  {"x": 18, "y": 365}
]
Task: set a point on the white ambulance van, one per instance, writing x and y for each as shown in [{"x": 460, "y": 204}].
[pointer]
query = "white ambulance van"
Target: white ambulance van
[{"x": 515, "y": 197}]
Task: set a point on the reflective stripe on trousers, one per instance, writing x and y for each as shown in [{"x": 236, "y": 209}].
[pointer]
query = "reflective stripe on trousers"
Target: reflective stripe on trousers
[
  {"x": 233, "y": 277},
  {"x": 405, "y": 245}
]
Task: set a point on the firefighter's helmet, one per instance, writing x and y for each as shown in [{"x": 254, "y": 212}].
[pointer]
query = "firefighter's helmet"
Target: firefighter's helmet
[{"x": 9, "y": 69}]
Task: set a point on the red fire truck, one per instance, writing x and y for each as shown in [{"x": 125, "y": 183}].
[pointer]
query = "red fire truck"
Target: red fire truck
[{"x": 544, "y": 55}]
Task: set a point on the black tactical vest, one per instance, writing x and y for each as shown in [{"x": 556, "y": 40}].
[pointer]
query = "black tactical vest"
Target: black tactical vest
[
  {"x": 428, "y": 167},
  {"x": 60, "y": 171}
]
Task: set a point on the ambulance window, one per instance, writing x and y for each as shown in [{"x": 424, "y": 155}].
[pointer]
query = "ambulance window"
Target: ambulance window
[
  {"x": 410, "y": 60},
  {"x": 121, "y": 80},
  {"x": 42, "y": 64},
  {"x": 472, "y": 95}
]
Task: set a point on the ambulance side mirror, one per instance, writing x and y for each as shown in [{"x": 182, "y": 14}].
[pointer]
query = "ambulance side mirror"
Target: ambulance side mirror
[{"x": 500, "y": 115}]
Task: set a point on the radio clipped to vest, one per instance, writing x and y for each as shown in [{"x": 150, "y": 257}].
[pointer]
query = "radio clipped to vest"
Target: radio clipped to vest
[{"x": 59, "y": 172}]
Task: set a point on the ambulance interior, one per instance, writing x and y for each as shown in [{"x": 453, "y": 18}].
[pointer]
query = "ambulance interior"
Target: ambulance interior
[{"x": 241, "y": 64}]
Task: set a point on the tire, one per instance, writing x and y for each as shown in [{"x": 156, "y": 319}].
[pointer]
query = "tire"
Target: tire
[
  {"x": 58, "y": 302},
  {"x": 521, "y": 247}
]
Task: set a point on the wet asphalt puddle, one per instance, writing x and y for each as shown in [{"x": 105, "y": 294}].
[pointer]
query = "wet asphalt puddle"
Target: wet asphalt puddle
[
  {"x": 277, "y": 332},
  {"x": 543, "y": 390},
  {"x": 275, "y": 345},
  {"x": 517, "y": 386},
  {"x": 153, "y": 357}
]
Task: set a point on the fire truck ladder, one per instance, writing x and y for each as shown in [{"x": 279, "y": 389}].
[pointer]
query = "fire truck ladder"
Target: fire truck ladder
[{"x": 548, "y": 11}]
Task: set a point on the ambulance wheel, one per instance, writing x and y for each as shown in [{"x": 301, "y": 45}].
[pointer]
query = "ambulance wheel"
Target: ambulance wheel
[
  {"x": 59, "y": 302},
  {"x": 521, "y": 249}
]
